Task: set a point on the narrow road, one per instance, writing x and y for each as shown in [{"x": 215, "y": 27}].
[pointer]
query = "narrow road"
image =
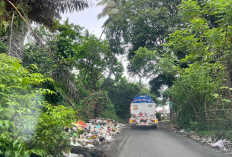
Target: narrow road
[{"x": 146, "y": 142}]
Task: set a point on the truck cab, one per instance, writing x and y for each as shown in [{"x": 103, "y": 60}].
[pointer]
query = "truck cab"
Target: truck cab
[{"x": 143, "y": 112}]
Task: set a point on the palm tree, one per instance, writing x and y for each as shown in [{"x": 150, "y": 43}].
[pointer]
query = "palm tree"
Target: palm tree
[
  {"x": 39, "y": 11},
  {"x": 112, "y": 9},
  {"x": 42, "y": 12}
]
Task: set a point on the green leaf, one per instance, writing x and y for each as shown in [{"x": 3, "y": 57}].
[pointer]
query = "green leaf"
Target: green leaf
[
  {"x": 9, "y": 153},
  {"x": 215, "y": 95},
  {"x": 226, "y": 100},
  {"x": 39, "y": 152}
]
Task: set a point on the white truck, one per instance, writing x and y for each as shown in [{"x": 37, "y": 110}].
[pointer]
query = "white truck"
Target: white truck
[{"x": 143, "y": 112}]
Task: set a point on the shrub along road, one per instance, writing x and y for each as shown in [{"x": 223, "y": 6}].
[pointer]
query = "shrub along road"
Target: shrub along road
[{"x": 146, "y": 142}]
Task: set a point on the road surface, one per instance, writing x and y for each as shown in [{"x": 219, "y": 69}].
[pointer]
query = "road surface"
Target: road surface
[{"x": 145, "y": 142}]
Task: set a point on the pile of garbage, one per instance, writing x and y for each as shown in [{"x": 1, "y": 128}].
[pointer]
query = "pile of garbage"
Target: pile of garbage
[{"x": 94, "y": 132}]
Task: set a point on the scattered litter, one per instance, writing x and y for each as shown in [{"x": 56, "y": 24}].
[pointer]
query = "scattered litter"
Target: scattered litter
[
  {"x": 89, "y": 146},
  {"x": 224, "y": 145},
  {"x": 221, "y": 144},
  {"x": 182, "y": 131},
  {"x": 94, "y": 132}
]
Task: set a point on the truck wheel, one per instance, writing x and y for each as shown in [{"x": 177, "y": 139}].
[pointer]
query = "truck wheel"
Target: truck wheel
[{"x": 155, "y": 126}]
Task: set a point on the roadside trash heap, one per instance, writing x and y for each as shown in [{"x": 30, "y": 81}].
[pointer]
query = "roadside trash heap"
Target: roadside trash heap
[{"x": 94, "y": 132}]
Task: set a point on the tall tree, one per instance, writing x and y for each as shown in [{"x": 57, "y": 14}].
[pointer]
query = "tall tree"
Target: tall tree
[
  {"x": 58, "y": 56},
  {"x": 203, "y": 85},
  {"x": 38, "y": 11},
  {"x": 96, "y": 63},
  {"x": 143, "y": 24},
  {"x": 112, "y": 9}
]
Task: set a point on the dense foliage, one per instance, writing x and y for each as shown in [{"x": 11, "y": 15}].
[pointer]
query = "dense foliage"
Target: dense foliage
[
  {"x": 16, "y": 16},
  {"x": 33, "y": 118},
  {"x": 134, "y": 26},
  {"x": 27, "y": 122},
  {"x": 206, "y": 77},
  {"x": 141, "y": 23},
  {"x": 63, "y": 73},
  {"x": 195, "y": 66},
  {"x": 122, "y": 93}
]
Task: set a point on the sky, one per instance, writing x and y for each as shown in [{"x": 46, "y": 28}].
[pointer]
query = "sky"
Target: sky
[{"x": 88, "y": 18}]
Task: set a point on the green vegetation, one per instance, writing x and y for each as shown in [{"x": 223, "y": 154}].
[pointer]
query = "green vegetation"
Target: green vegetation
[
  {"x": 35, "y": 108},
  {"x": 158, "y": 115},
  {"x": 27, "y": 122},
  {"x": 63, "y": 73},
  {"x": 17, "y": 15},
  {"x": 203, "y": 67},
  {"x": 185, "y": 47}
]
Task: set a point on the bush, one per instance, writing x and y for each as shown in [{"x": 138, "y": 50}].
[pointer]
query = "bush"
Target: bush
[
  {"x": 28, "y": 125},
  {"x": 97, "y": 105},
  {"x": 158, "y": 115},
  {"x": 194, "y": 126},
  {"x": 19, "y": 107},
  {"x": 50, "y": 134}
]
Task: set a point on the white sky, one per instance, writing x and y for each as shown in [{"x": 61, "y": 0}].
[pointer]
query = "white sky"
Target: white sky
[{"x": 88, "y": 18}]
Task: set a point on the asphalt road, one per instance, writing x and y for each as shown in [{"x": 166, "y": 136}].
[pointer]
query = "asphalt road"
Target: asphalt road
[{"x": 146, "y": 142}]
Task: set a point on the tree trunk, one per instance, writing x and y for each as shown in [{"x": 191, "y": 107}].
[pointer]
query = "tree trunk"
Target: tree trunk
[
  {"x": 103, "y": 31},
  {"x": 172, "y": 116},
  {"x": 111, "y": 71},
  {"x": 16, "y": 38},
  {"x": 228, "y": 93}
]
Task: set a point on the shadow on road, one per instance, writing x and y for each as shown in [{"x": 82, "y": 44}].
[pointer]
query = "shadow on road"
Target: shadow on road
[{"x": 142, "y": 128}]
